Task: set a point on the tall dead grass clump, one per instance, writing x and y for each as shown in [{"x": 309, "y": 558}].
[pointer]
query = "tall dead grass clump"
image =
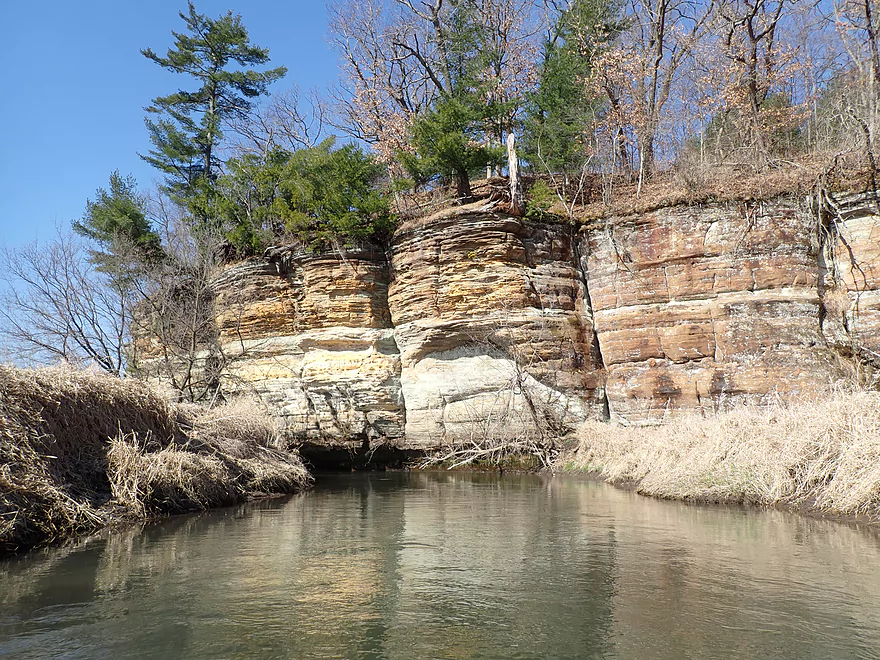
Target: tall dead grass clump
[
  {"x": 822, "y": 455},
  {"x": 231, "y": 452},
  {"x": 80, "y": 450},
  {"x": 168, "y": 480}
]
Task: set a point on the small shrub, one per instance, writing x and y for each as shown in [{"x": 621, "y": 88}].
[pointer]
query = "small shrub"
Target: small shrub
[
  {"x": 541, "y": 199},
  {"x": 836, "y": 302}
]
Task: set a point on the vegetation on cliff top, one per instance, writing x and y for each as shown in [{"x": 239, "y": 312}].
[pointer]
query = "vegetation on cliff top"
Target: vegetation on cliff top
[
  {"x": 320, "y": 196},
  {"x": 617, "y": 108},
  {"x": 80, "y": 451}
]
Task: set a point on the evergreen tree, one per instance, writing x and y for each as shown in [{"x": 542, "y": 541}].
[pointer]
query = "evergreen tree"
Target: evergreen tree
[
  {"x": 560, "y": 110},
  {"x": 330, "y": 194},
  {"x": 449, "y": 141},
  {"x": 452, "y": 138},
  {"x": 322, "y": 195},
  {"x": 117, "y": 221},
  {"x": 248, "y": 194},
  {"x": 189, "y": 124}
]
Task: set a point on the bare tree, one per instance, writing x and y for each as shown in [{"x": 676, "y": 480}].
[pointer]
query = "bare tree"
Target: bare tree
[
  {"x": 749, "y": 36},
  {"x": 759, "y": 64},
  {"x": 174, "y": 333},
  {"x": 858, "y": 26},
  {"x": 638, "y": 73},
  {"x": 388, "y": 70},
  {"x": 510, "y": 33},
  {"x": 399, "y": 56},
  {"x": 60, "y": 306},
  {"x": 286, "y": 121},
  {"x": 125, "y": 316}
]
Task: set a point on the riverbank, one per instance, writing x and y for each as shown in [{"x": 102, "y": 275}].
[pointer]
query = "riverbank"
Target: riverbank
[
  {"x": 80, "y": 451},
  {"x": 821, "y": 456}
]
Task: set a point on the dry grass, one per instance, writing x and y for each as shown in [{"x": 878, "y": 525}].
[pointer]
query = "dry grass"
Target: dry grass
[
  {"x": 823, "y": 456},
  {"x": 690, "y": 184},
  {"x": 80, "y": 450},
  {"x": 714, "y": 184},
  {"x": 230, "y": 453},
  {"x": 836, "y": 302}
]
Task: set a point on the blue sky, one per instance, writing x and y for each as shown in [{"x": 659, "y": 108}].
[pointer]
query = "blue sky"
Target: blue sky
[{"x": 75, "y": 84}]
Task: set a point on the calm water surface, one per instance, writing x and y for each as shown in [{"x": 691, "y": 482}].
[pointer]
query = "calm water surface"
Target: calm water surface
[{"x": 435, "y": 565}]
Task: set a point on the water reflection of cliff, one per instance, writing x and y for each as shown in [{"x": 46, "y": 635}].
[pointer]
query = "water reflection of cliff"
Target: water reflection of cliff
[{"x": 457, "y": 566}]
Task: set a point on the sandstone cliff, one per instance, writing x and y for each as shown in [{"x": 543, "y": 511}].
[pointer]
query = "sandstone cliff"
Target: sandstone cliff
[
  {"x": 698, "y": 307},
  {"x": 849, "y": 276},
  {"x": 315, "y": 341},
  {"x": 473, "y": 324}
]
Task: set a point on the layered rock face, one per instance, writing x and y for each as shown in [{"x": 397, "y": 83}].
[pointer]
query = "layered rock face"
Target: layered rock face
[
  {"x": 474, "y": 324},
  {"x": 494, "y": 329},
  {"x": 312, "y": 337},
  {"x": 699, "y": 308},
  {"x": 849, "y": 271},
  {"x": 476, "y": 327}
]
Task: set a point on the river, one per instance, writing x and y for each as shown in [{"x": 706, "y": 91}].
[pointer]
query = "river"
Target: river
[{"x": 453, "y": 565}]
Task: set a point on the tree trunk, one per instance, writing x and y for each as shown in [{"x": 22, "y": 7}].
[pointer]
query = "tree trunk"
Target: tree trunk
[
  {"x": 647, "y": 157},
  {"x": 210, "y": 144},
  {"x": 517, "y": 207},
  {"x": 463, "y": 186}
]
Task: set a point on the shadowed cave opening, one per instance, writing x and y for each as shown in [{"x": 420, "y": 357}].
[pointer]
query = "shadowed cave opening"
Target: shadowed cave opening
[{"x": 322, "y": 458}]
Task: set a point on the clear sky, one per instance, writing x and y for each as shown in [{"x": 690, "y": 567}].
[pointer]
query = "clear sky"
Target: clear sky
[{"x": 74, "y": 86}]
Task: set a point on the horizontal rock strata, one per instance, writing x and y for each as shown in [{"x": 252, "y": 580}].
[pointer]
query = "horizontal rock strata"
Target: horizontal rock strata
[
  {"x": 474, "y": 324},
  {"x": 312, "y": 338},
  {"x": 706, "y": 307},
  {"x": 494, "y": 329},
  {"x": 850, "y": 276}
]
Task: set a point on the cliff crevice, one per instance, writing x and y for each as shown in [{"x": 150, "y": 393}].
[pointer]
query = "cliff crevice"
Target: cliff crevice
[
  {"x": 849, "y": 278},
  {"x": 581, "y": 260}
]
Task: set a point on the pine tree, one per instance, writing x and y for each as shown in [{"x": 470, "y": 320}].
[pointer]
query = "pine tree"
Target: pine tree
[
  {"x": 323, "y": 195},
  {"x": 448, "y": 140},
  {"x": 452, "y": 137},
  {"x": 189, "y": 124},
  {"x": 117, "y": 222},
  {"x": 561, "y": 108}
]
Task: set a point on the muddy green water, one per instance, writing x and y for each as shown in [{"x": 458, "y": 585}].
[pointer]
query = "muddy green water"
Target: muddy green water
[{"x": 438, "y": 565}]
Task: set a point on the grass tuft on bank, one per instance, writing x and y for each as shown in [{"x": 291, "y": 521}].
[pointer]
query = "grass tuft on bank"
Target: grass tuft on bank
[
  {"x": 822, "y": 455},
  {"x": 80, "y": 450}
]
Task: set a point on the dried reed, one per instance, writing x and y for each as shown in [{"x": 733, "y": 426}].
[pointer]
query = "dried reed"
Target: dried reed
[
  {"x": 822, "y": 455},
  {"x": 81, "y": 450}
]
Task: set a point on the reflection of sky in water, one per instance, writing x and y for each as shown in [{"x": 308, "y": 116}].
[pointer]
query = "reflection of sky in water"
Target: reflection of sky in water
[{"x": 454, "y": 566}]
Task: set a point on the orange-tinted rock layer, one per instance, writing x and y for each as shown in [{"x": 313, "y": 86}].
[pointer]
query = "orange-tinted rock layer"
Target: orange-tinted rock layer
[
  {"x": 493, "y": 326},
  {"x": 312, "y": 338},
  {"x": 704, "y": 307}
]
